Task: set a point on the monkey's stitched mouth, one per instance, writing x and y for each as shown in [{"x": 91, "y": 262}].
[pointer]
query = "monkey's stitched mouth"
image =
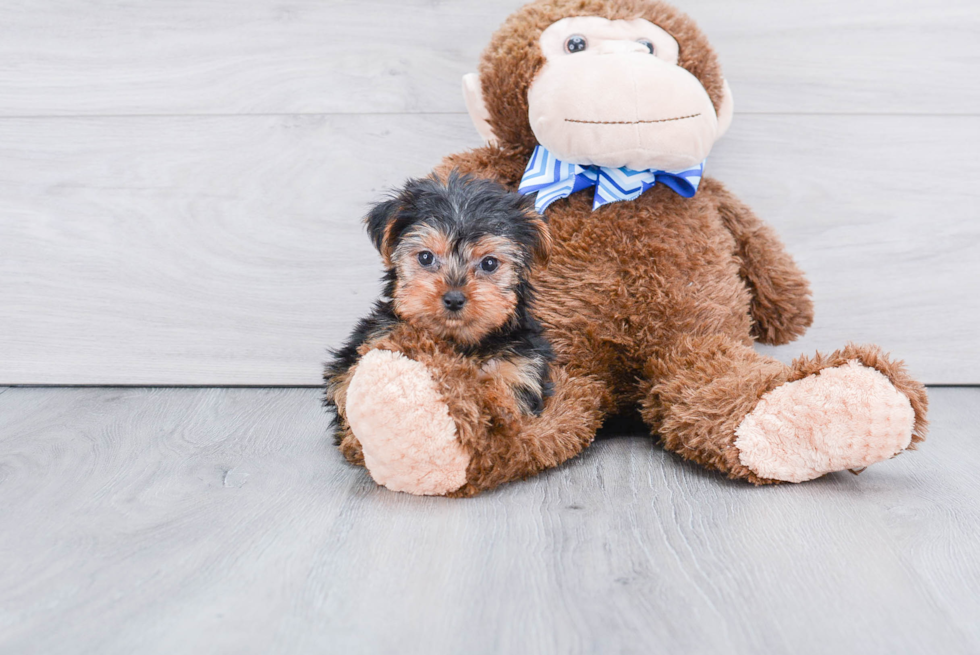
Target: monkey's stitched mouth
[{"x": 661, "y": 120}]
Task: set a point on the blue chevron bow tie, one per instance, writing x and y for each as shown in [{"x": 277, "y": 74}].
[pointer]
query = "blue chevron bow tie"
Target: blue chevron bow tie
[{"x": 554, "y": 179}]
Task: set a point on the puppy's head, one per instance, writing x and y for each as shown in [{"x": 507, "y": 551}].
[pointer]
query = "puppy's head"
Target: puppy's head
[{"x": 460, "y": 252}]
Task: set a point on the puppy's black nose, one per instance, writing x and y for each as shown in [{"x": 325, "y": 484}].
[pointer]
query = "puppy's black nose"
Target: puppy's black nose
[{"x": 454, "y": 300}]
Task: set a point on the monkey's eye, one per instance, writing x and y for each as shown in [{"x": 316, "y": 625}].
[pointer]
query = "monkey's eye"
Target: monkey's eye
[
  {"x": 647, "y": 43},
  {"x": 426, "y": 258},
  {"x": 489, "y": 264},
  {"x": 575, "y": 43}
]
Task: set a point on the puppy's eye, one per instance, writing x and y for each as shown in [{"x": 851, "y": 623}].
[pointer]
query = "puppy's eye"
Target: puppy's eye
[
  {"x": 647, "y": 43},
  {"x": 575, "y": 43},
  {"x": 426, "y": 258},
  {"x": 489, "y": 264}
]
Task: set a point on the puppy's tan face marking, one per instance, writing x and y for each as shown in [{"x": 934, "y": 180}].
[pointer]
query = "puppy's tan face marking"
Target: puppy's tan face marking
[{"x": 485, "y": 271}]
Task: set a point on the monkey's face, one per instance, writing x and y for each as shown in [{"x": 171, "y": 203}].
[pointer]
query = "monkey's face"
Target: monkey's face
[
  {"x": 611, "y": 94},
  {"x": 610, "y": 89}
]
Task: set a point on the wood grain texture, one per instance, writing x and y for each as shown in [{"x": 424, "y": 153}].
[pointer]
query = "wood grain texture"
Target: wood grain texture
[
  {"x": 199, "y": 521},
  {"x": 62, "y": 57},
  {"x": 229, "y": 250}
]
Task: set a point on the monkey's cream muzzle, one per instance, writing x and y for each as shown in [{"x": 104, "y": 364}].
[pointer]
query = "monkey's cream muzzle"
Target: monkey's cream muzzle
[
  {"x": 611, "y": 93},
  {"x": 615, "y": 105}
]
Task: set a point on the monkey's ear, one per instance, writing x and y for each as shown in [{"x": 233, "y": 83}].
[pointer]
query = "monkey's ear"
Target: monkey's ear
[
  {"x": 541, "y": 251},
  {"x": 380, "y": 226},
  {"x": 725, "y": 111},
  {"x": 473, "y": 96}
]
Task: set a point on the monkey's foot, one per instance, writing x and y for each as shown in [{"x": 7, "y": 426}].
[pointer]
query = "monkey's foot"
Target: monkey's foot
[
  {"x": 404, "y": 427},
  {"x": 846, "y": 417}
]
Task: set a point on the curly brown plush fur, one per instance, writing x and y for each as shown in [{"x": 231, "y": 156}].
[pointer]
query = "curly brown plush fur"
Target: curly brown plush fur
[
  {"x": 652, "y": 303},
  {"x": 504, "y": 442}
]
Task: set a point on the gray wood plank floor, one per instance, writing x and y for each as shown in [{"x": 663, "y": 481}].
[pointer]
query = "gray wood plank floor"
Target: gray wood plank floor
[{"x": 218, "y": 521}]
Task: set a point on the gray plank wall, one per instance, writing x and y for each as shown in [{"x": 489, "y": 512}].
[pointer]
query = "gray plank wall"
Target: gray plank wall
[{"x": 181, "y": 183}]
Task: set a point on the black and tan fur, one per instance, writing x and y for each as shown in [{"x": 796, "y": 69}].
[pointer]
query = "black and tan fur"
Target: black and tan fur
[{"x": 461, "y": 224}]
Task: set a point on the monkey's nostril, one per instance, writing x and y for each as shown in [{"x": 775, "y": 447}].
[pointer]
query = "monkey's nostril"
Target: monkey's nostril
[{"x": 454, "y": 300}]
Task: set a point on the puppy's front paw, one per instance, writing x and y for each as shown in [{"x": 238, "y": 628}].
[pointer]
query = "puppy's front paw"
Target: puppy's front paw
[
  {"x": 404, "y": 427},
  {"x": 526, "y": 377}
]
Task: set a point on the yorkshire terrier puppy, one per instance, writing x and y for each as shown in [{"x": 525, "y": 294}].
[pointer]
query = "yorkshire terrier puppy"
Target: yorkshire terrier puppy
[{"x": 458, "y": 256}]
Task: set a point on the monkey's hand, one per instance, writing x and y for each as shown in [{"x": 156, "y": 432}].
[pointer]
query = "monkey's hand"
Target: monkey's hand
[{"x": 782, "y": 307}]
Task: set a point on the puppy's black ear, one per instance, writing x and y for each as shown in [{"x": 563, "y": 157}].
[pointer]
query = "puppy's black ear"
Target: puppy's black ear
[
  {"x": 535, "y": 233},
  {"x": 541, "y": 244},
  {"x": 380, "y": 226}
]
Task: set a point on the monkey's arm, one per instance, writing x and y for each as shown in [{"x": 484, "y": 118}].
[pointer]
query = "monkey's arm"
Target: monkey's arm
[{"x": 782, "y": 307}]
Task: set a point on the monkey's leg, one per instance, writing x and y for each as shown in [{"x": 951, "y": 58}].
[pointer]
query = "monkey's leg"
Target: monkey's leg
[
  {"x": 719, "y": 403},
  {"x": 514, "y": 447},
  {"x": 426, "y": 422}
]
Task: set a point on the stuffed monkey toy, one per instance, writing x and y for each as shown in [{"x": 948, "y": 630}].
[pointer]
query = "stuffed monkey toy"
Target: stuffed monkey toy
[{"x": 658, "y": 284}]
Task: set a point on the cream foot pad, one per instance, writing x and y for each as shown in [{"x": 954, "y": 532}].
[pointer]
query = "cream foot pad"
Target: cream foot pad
[
  {"x": 841, "y": 418},
  {"x": 408, "y": 437}
]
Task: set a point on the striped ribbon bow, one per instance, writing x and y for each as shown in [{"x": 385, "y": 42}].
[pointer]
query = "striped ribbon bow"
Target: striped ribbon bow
[{"x": 553, "y": 179}]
